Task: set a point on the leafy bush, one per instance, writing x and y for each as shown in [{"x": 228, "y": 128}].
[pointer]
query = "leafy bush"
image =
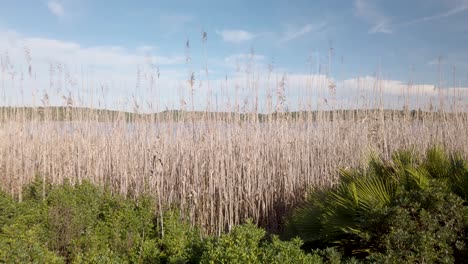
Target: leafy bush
[
  {"x": 423, "y": 226},
  {"x": 79, "y": 223},
  {"x": 247, "y": 244},
  {"x": 181, "y": 242},
  {"x": 287, "y": 252},
  {"x": 7, "y": 209},
  {"x": 23, "y": 236},
  {"x": 24, "y": 244},
  {"x": 83, "y": 224},
  {"x": 409, "y": 209},
  {"x": 361, "y": 214},
  {"x": 72, "y": 213}
]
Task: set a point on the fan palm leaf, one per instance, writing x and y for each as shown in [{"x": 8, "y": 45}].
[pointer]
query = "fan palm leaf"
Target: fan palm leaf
[{"x": 340, "y": 214}]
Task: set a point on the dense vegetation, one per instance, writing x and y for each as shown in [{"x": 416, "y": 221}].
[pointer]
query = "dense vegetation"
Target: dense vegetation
[
  {"x": 410, "y": 209},
  {"x": 219, "y": 168},
  {"x": 219, "y": 147},
  {"x": 83, "y": 224}
]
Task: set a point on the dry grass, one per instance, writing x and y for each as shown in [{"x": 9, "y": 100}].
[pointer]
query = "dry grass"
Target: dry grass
[
  {"x": 227, "y": 171},
  {"x": 218, "y": 168}
]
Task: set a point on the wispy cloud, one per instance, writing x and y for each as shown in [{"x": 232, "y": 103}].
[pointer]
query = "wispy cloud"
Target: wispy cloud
[
  {"x": 454, "y": 11},
  {"x": 236, "y": 35},
  {"x": 297, "y": 32},
  {"x": 112, "y": 68},
  {"x": 56, "y": 8},
  {"x": 398, "y": 88},
  {"x": 368, "y": 11},
  {"x": 113, "y": 58}
]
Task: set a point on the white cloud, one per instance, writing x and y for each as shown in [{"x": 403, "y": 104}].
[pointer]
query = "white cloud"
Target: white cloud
[
  {"x": 394, "y": 89},
  {"x": 382, "y": 27},
  {"x": 56, "y": 8},
  {"x": 454, "y": 11},
  {"x": 235, "y": 35},
  {"x": 294, "y": 32},
  {"x": 115, "y": 67},
  {"x": 316, "y": 90},
  {"x": 380, "y": 23},
  {"x": 71, "y": 66},
  {"x": 45, "y": 50},
  {"x": 369, "y": 12}
]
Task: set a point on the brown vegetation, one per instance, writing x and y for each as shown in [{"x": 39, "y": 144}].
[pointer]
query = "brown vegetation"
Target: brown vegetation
[{"x": 219, "y": 168}]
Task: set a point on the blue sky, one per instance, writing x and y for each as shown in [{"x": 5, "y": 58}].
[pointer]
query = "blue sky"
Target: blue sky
[{"x": 402, "y": 40}]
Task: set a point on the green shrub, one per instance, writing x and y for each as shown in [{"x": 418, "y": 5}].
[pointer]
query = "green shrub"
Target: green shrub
[
  {"x": 80, "y": 223},
  {"x": 98, "y": 255},
  {"x": 423, "y": 195},
  {"x": 120, "y": 228},
  {"x": 37, "y": 190},
  {"x": 147, "y": 251},
  {"x": 279, "y": 252},
  {"x": 331, "y": 255},
  {"x": 181, "y": 243},
  {"x": 25, "y": 247},
  {"x": 241, "y": 245},
  {"x": 24, "y": 237},
  {"x": 247, "y": 244},
  {"x": 423, "y": 226},
  {"x": 8, "y": 209},
  {"x": 72, "y": 213},
  {"x": 340, "y": 215}
]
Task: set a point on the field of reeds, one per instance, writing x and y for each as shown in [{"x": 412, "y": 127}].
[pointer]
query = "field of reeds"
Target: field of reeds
[{"x": 218, "y": 168}]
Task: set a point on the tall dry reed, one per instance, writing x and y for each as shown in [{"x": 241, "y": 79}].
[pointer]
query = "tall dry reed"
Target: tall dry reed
[
  {"x": 219, "y": 168},
  {"x": 230, "y": 170}
]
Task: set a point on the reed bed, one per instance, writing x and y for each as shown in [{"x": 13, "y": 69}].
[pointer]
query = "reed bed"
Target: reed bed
[
  {"x": 255, "y": 160},
  {"x": 218, "y": 169}
]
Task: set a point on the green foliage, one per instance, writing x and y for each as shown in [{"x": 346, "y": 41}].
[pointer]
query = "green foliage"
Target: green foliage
[
  {"x": 181, "y": 242},
  {"x": 410, "y": 209},
  {"x": 423, "y": 226},
  {"x": 356, "y": 214},
  {"x": 20, "y": 243},
  {"x": 279, "y": 252},
  {"x": 337, "y": 216},
  {"x": 79, "y": 224},
  {"x": 83, "y": 224},
  {"x": 331, "y": 255},
  {"x": 241, "y": 245},
  {"x": 7, "y": 209},
  {"x": 23, "y": 237},
  {"x": 98, "y": 255},
  {"x": 72, "y": 213},
  {"x": 37, "y": 190},
  {"x": 247, "y": 244}
]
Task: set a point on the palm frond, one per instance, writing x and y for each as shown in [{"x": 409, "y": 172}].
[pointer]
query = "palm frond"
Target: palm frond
[
  {"x": 418, "y": 177},
  {"x": 459, "y": 176},
  {"x": 437, "y": 162}
]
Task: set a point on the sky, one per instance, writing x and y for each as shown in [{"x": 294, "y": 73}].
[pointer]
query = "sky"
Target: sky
[{"x": 117, "y": 44}]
